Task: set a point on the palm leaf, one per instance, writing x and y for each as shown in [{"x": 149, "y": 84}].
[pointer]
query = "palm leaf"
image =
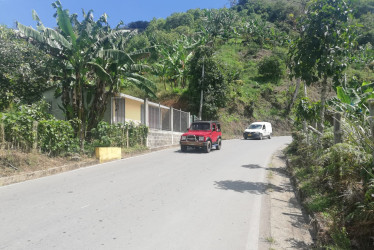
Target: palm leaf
[
  {"x": 140, "y": 54},
  {"x": 64, "y": 23},
  {"x": 39, "y": 22},
  {"x": 143, "y": 83},
  {"x": 30, "y": 32},
  {"x": 117, "y": 55},
  {"x": 100, "y": 71},
  {"x": 54, "y": 35}
]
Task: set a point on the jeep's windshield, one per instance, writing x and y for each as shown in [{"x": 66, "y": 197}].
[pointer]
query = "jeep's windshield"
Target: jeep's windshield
[
  {"x": 200, "y": 126},
  {"x": 255, "y": 126}
]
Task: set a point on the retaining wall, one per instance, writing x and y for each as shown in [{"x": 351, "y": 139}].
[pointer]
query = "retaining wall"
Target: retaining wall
[{"x": 160, "y": 138}]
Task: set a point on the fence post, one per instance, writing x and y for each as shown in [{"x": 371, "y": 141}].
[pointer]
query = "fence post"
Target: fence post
[
  {"x": 146, "y": 112},
  {"x": 127, "y": 137},
  {"x": 159, "y": 117},
  {"x": 2, "y": 137},
  {"x": 180, "y": 120},
  {"x": 371, "y": 108},
  {"x": 337, "y": 128},
  {"x": 35, "y": 136},
  {"x": 189, "y": 120},
  {"x": 171, "y": 119},
  {"x": 172, "y": 124}
]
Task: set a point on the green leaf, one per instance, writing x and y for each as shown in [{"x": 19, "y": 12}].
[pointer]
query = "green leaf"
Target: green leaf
[
  {"x": 343, "y": 96},
  {"x": 30, "y": 32},
  {"x": 64, "y": 22},
  {"x": 100, "y": 71}
]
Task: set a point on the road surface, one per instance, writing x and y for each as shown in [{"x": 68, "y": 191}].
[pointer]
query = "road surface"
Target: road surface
[{"x": 162, "y": 200}]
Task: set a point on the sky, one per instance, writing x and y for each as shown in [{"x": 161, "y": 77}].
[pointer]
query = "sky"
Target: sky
[{"x": 117, "y": 10}]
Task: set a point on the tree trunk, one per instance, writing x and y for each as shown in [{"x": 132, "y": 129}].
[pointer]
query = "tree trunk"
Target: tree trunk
[
  {"x": 65, "y": 98},
  {"x": 98, "y": 107},
  {"x": 323, "y": 101},
  {"x": 337, "y": 128},
  {"x": 296, "y": 92}
]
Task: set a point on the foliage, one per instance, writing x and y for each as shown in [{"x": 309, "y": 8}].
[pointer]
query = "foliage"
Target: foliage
[
  {"x": 222, "y": 23},
  {"x": 119, "y": 135},
  {"x": 95, "y": 63},
  {"x": 307, "y": 111},
  {"x": 211, "y": 82},
  {"x": 18, "y": 123},
  {"x": 271, "y": 68},
  {"x": 56, "y": 137},
  {"x": 174, "y": 59},
  {"x": 325, "y": 41},
  {"x": 24, "y": 70},
  {"x": 141, "y": 25}
]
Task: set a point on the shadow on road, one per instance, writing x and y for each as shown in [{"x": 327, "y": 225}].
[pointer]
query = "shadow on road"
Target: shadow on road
[
  {"x": 251, "y": 166},
  {"x": 247, "y": 187}
]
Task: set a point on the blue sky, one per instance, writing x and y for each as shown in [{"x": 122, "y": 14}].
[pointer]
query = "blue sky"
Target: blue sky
[{"x": 125, "y": 10}]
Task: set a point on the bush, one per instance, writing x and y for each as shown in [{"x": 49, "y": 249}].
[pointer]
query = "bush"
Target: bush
[
  {"x": 18, "y": 123},
  {"x": 119, "y": 135},
  {"x": 345, "y": 163},
  {"x": 271, "y": 68},
  {"x": 56, "y": 137}
]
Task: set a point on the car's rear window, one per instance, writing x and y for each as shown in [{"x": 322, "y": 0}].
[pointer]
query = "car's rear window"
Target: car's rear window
[{"x": 200, "y": 126}]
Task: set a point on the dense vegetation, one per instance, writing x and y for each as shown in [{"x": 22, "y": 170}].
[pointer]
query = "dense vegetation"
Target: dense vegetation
[{"x": 248, "y": 62}]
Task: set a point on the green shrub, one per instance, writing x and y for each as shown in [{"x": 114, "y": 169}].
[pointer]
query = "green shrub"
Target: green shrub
[
  {"x": 345, "y": 163},
  {"x": 271, "y": 68},
  {"x": 57, "y": 137},
  {"x": 119, "y": 135},
  {"x": 18, "y": 123}
]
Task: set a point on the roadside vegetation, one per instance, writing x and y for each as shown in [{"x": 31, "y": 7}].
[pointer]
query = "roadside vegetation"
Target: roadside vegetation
[{"x": 300, "y": 65}]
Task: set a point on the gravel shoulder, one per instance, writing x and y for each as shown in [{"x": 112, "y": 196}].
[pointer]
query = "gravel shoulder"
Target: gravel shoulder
[{"x": 289, "y": 225}]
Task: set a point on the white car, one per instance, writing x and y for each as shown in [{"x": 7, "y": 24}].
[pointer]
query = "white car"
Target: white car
[{"x": 258, "y": 130}]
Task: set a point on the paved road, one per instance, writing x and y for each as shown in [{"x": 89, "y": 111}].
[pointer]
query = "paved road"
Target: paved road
[{"x": 162, "y": 200}]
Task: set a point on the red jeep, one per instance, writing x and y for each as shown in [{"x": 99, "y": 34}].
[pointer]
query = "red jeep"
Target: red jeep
[{"x": 202, "y": 134}]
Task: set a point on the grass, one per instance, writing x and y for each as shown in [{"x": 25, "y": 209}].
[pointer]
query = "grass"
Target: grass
[{"x": 270, "y": 240}]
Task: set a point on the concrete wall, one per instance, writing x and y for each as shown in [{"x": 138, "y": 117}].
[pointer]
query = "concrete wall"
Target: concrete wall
[{"x": 160, "y": 138}]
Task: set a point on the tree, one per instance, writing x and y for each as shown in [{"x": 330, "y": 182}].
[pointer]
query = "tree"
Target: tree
[
  {"x": 271, "y": 68},
  {"x": 220, "y": 23},
  {"x": 212, "y": 84},
  {"x": 24, "y": 70},
  {"x": 322, "y": 49},
  {"x": 174, "y": 60}
]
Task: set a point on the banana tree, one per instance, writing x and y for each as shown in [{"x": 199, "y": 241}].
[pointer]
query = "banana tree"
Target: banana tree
[
  {"x": 174, "y": 60},
  {"x": 78, "y": 45},
  {"x": 115, "y": 70}
]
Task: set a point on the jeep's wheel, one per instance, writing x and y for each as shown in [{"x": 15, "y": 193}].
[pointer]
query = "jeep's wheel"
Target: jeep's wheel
[
  {"x": 245, "y": 137},
  {"x": 260, "y": 137},
  {"x": 219, "y": 144},
  {"x": 269, "y": 136},
  {"x": 183, "y": 148},
  {"x": 208, "y": 147}
]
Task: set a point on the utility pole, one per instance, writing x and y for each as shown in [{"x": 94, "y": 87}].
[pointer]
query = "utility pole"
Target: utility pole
[{"x": 202, "y": 93}]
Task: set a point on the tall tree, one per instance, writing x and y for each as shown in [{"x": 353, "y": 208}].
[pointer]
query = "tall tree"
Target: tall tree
[
  {"x": 24, "y": 70},
  {"x": 322, "y": 49},
  {"x": 212, "y": 84}
]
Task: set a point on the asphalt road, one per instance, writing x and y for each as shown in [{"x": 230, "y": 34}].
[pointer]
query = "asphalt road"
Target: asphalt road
[{"x": 162, "y": 200}]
